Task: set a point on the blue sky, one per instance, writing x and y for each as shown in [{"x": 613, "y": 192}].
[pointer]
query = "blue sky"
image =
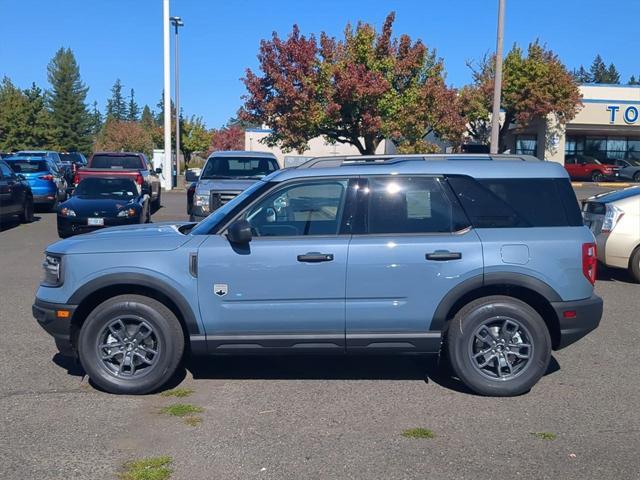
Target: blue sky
[{"x": 123, "y": 38}]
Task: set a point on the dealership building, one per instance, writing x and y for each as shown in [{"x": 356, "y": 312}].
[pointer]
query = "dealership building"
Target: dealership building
[{"x": 607, "y": 126}]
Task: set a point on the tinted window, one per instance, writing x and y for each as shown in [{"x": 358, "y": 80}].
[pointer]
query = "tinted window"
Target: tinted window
[
  {"x": 242, "y": 167},
  {"x": 28, "y": 166},
  {"x": 5, "y": 170},
  {"x": 311, "y": 208},
  {"x": 72, "y": 157},
  {"x": 410, "y": 205},
  {"x": 95, "y": 187},
  {"x": 113, "y": 161},
  {"x": 517, "y": 203}
]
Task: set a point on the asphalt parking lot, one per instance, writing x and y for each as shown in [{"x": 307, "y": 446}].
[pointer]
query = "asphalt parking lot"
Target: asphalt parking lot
[{"x": 293, "y": 418}]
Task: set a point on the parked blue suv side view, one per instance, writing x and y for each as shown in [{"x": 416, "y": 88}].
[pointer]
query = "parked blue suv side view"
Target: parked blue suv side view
[{"x": 482, "y": 259}]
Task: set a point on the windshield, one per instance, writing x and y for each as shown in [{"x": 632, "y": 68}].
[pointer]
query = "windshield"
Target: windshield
[
  {"x": 238, "y": 167},
  {"x": 116, "y": 161},
  {"x": 94, "y": 187},
  {"x": 206, "y": 225},
  {"x": 27, "y": 166}
]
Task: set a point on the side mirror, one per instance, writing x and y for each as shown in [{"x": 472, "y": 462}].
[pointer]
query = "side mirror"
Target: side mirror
[
  {"x": 19, "y": 176},
  {"x": 239, "y": 232},
  {"x": 158, "y": 170}
]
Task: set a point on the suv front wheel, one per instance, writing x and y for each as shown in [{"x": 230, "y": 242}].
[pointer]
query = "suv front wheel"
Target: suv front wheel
[
  {"x": 499, "y": 346},
  {"x": 130, "y": 344}
]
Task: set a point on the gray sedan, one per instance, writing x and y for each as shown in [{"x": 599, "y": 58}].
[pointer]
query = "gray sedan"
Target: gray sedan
[{"x": 629, "y": 168}]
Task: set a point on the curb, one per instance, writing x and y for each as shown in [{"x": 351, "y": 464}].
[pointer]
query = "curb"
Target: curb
[{"x": 603, "y": 184}]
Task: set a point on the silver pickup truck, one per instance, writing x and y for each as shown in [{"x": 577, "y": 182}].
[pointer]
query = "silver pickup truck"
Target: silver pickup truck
[{"x": 226, "y": 175}]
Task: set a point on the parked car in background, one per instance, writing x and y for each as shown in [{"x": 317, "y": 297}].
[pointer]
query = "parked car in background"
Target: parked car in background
[
  {"x": 191, "y": 191},
  {"x": 614, "y": 218},
  {"x": 47, "y": 182},
  {"x": 629, "y": 168},
  {"x": 52, "y": 155},
  {"x": 487, "y": 255},
  {"x": 73, "y": 160},
  {"x": 225, "y": 175},
  {"x": 583, "y": 167},
  {"x": 16, "y": 198},
  {"x": 99, "y": 202},
  {"x": 124, "y": 164}
]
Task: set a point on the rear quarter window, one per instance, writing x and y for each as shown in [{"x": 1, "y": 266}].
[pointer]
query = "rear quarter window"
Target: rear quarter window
[{"x": 517, "y": 202}]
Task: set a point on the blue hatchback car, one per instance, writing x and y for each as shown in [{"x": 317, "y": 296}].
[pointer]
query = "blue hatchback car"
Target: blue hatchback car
[
  {"x": 45, "y": 179},
  {"x": 481, "y": 259}
]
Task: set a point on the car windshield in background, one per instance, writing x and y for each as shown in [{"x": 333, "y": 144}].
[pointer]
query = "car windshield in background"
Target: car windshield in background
[
  {"x": 94, "y": 187},
  {"x": 231, "y": 167},
  {"x": 71, "y": 157},
  {"x": 116, "y": 161},
  {"x": 27, "y": 166}
]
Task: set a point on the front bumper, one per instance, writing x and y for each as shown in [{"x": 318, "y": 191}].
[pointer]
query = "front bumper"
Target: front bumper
[
  {"x": 68, "y": 226},
  {"x": 59, "y": 328},
  {"x": 576, "y": 319}
]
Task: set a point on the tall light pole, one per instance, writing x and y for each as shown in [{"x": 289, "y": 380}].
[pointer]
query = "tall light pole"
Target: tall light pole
[
  {"x": 166, "y": 164},
  {"x": 177, "y": 23},
  {"x": 497, "y": 82}
]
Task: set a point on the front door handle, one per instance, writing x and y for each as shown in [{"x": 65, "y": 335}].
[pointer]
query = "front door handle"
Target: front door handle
[
  {"x": 443, "y": 255},
  {"x": 315, "y": 257}
]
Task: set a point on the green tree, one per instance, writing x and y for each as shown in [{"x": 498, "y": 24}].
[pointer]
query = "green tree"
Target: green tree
[
  {"x": 70, "y": 119},
  {"x": 600, "y": 73},
  {"x": 119, "y": 135},
  {"x": 194, "y": 137},
  {"x": 13, "y": 117},
  {"x": 359, "y": 90},
  {"x": 133, "y": 110},
  {"x": 116, "y": 105},
  {"x": 38, "y": 118},
  {"x": 581, "y": 75},
  {"x": 633, "y": 80},
  {"x": 612, "y": 75},
  {"x": 533, "y": 86},
  {"x": 96, "y": 119}
]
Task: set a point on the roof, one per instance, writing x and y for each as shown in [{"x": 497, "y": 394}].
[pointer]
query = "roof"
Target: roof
[
  {"x": 242, "y": 153},
  {"x": 478, "y": 166},
  {"x": 118, "y": 154},
  {"x": 616, "y": 195}
]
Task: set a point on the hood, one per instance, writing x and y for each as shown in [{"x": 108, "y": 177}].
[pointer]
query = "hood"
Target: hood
[
  {"x": 221, "y": 184},
  {"x": 147, "y": 237},
  {"x": 98, "y": 207}
]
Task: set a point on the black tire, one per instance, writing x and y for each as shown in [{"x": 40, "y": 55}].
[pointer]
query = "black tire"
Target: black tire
[
  {"x": 26, "y": 216},
  {"x": 634, "y": 265},
  {"x": 168, "y": 345},
  {"x": 461, "y": 341},
  {"x": 597, "y": 176},
  {"x": 636, "y": 177}
]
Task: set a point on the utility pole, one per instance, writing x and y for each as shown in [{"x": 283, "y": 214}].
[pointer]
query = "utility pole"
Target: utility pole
[
  {"x": 166, "y": 164},
  {"x": 497, "y": 82},
  {"x": 177, "y": 23}
]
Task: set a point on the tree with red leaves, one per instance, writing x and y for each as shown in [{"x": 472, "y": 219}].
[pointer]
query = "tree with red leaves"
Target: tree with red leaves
[
  {"x": 359, "y": 90},
  {"x": 227, "y": 138},
  {"x": 533, "y": 86}
]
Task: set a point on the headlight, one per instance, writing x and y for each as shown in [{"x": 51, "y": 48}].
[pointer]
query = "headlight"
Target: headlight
[
  {"x": 201, "y": 200},
  {"x": 67, "y": 212},
  {"x": 129, "y": 212},
  {"x": 52, "y": 270}
]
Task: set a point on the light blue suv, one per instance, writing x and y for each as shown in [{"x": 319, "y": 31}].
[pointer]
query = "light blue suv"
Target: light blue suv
[{"x": 482, "y": 259}]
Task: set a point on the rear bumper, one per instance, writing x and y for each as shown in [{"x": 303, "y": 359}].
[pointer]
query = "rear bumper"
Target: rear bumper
[
  {"x": 46, "y": 314},
  {"x": 586, "y": 318},
  {"x": 49, "y": 198}
]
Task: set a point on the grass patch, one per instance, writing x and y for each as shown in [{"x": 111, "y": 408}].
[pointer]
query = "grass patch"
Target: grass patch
[
  {"x": 548, "y": 436},
  {"x": 418, "y": 433},
  {"x": 182, "y": 409},
  {"x": 193, "y": 421},
  {"x": 177, "y": 392},
  {"x": 154, "y": 468}
]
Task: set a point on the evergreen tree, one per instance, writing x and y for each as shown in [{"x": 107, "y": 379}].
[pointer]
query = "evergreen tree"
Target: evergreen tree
[
  {"x": 70, "y": 120},
  {"x": 581, "y": 75},
  {"x": 38, "y": 118},
  {"x": 147, "y": 119},
  {"x": 133, "y": 112},
  {"x": 601, "y": 74},
  {"x": 96, "y": 119},
  {"x": 633, "y": 80},
  {"x": 612, "y": 75},
  {"x": 116, "y": 105}
]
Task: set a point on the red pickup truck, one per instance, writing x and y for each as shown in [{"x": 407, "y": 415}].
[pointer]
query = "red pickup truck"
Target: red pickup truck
[
  {"x": 583, "y": 167},
  {"x": 134, "y": 165}
]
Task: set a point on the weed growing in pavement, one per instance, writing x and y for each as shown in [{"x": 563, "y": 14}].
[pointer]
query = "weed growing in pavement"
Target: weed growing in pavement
[
  {"x": 177, "y": 392},
  {"x": 181, "y": 409},
  {"x": 153, "y": 468},
  {"x": 544, "y": 435},
  {"x": 193, "y": 421},
  {"x": 418, "y": 433}
]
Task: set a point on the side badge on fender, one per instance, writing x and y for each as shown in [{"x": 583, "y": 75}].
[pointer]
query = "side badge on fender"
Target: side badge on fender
[{"x": 220, "y": 289}]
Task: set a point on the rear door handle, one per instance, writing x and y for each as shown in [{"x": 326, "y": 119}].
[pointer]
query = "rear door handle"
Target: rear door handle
[
  {"x": 315, "y": 257},
  {"x": 443, "y": 255}
]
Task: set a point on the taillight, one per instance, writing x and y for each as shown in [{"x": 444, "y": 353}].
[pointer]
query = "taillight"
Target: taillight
[
  {"x": 76, "y": 179},
  {"x": 612, "y": 216},
  {"x": 589, "y": 261},
  {"x": 46, "y": 177},
  {"x": 139, "y": 179}
]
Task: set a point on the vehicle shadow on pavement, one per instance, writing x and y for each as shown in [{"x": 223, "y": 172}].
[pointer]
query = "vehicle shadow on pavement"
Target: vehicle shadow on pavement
[
  {"x": 613, "y": 275},
  {"x": 8, "y": 225}
]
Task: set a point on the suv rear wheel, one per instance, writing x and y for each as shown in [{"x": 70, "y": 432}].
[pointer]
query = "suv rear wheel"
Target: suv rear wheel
[
  {"x": 498, "y": 346},
  {"x": 130, "y": 344},
  {"x": 634, "y": 265}
]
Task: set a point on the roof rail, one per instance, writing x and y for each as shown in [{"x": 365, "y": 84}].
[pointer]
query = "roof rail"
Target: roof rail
[{"x": 345, "y": 160}]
